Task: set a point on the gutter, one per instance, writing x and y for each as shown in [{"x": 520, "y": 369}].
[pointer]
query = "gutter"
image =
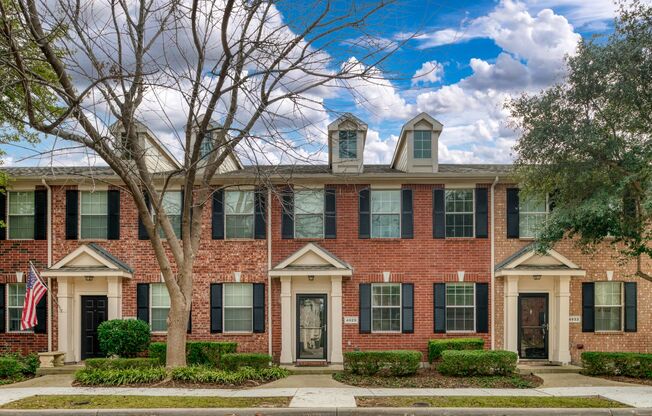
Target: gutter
[
  {"x": 493, "y": 271},
  {"x": 49, "y": 233},
  {"x": 269, "y": 268}
]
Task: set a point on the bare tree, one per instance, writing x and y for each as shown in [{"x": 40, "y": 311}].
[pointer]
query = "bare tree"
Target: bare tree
[{"x": 240, "y": 63}]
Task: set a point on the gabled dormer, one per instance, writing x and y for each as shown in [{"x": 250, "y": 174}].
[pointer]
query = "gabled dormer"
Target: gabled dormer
[
  {"x": 417, "y": 147},
  {"x": 157, "y": 156},
  {"x": 346, "y": 140},
  {"x": 210, "y": 142}
]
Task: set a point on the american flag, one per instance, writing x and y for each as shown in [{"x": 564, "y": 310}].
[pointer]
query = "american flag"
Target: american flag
[{"x": 33, "y": 293}]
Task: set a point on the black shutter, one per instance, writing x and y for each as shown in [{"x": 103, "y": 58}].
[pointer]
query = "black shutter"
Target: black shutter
[
  {"x": 142, "y": 231},
  {"x": 142, "y": 302},
  {"x": 439, "y": 290},
  {"x": 182, "y": 198},
  {"x": 287, "y": 214},
  {"x": 630, "y": 306},
  {"x": 3, "y": 309},
  {"x": 113, "y": 219},
  {"x": 330, "y": 212},
  {"x": 407, "y": 214},
  {"x": 217, "y": 216},
  {"x": 216, "y": 307},
  {"x": 259, "y": 307},
  {"x": 482, "y": 307},
  {"x": 407, "y": 308},
  {"x": 588, "y": 307},
  {"x": 3, "y": 213},
  {"x": 42, "y": 316},
  {"x": 189, "y": 329},
  {"x": 40, "y": 214},
  {"x": 481, "y": 213},
  {"x": 364, "y": 214},
  {"x": 512, "y": 213},
  {"x": 72, "y": 214},
  {"x": 438, "y": 214},
  {"x": 365, "y": 308},
  {"x": 260, "y": 222}
]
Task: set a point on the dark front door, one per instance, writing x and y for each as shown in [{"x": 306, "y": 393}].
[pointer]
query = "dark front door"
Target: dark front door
[
  {"x": 533, "y": 325},
  {"x": 311, "y": 327},
  {"x": 93, "y": 314}
]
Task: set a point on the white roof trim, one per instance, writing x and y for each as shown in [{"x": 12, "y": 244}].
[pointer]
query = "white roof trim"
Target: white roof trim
[
  {"x": 326, "y": 272},
  {"x": 81, "y": 273},
  {"x": 550, "y": 252},
  {"x": 83, "y": 249},
  {"x": 538, "y": 272},
  {"x": 311, "y": 247},
  {"x": 410, "y": 124}
]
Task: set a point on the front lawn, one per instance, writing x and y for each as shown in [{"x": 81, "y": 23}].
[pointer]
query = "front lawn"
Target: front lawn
[
  {"x": 143, "y": 402},
  {"x": 488, "y": 401}
]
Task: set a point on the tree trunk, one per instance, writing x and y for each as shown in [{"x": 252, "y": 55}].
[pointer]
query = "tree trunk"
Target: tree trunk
[{"x": 177, "y": 327}]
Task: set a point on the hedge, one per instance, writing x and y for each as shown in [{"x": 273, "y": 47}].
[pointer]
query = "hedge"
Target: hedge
[
  {"x": 395, "y": 363},
  {"x": 123, "y": 337},
  {"x": 437, "y": 346},
  {"x": 197, "y": 352},
  {"x": 233, "y": 361},
  {"x": 617, "y": 364},
  {"x": 9, "y": 367},
  {"x": 120, "y": 377},
  {"x": 205, "y": 375},
  {"x": 477, "y": 363},
  {"x": 121, "y": 363},
  {"x": 15, "y": 365}
]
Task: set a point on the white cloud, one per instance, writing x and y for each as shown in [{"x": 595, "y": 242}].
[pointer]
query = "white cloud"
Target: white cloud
[
  {"x": 430, "y": 72},
  {"x": 377, "y": 151}
]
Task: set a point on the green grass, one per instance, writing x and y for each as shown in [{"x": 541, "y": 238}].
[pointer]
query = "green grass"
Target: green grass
[
  {"x": 143, "y": 402},
  {"x": 433, "y": 379},
  {"x": 488, "y": 401}
]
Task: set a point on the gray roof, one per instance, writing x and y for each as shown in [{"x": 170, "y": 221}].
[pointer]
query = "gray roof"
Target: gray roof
[{"x": 110, "y": 257}]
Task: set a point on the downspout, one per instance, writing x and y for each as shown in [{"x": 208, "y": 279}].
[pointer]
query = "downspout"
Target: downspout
[
  {"x": 269, "y": 267},
  {"x": 49, "y": 232},
  {"x": 493, "y": 271}
]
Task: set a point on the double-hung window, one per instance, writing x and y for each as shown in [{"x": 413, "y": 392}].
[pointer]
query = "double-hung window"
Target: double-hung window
[
  {"x": 459, "y": 212},
  {"x": 460, "y": 307},
  {"x": 532, "y": 214},
  {"x": 348, "y": 144},
  {"x": 386, "y": 307},
  {"x": 21, "y": 215},
  {"x": 239, "y": 214},
  {"x": 172, "y": 207},
  {"x": 159, "y": 307},
  {"x": 386, "y": 213},
  {"x": 94, "y": 215},
  {"x": 309, "y": 213},
  {"x": 238, "y": 307},
  {"x": 608, "y": 306},
  {"x": 422, "y": 144},
  {"x": 206, "y": 146},
  {"x": 15, "y": 302}
]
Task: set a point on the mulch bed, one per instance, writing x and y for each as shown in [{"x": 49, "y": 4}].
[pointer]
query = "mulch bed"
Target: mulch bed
[
  {"x": 427, "y": 378},
  {"x": 185, "y": 385},
  {"x": 633, "y": 380}
]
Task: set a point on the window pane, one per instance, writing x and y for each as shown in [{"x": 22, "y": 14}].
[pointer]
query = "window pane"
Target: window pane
[
  {"x": 172, "y": 202},
  {"x": 459, "y": 294},
  {"x": 160, "y": 296},
  {"x": 530, "y": 224},
  {"x": 239, "y": 202},
  {"x": 386, "y": 319},
  {"x": 238, "y": 294},
  {"x": 159, "y": 319},
  {"x": 459, "y": 225},
  {"x": 238, "y": 319},
  {"x": 422, "y": 144},
  {"x": 21, "y": 227},
  {"x": 348, "y": 144},
  {"x": 309, "y": 202},
  {"x": 459, "y": 319},
  {"x": 94, "y": 203},
  {"x": 21, "y": 203},
  {"x": 608, "y": 293},
  {"x": 608, "y": 319},
  {"x": 15, "y": 315},
  {"x": 386, "y": 202},
  {"x": 309, "y": 226},
  {"x": 238, "y": 307},
  {"x": 386, "y": 295},
  {"x": 16, "y": 294},
  {"x": 206, "y": 145},
  {"x": 94, "y": 226},
  {"x": 239, "y": 226}
]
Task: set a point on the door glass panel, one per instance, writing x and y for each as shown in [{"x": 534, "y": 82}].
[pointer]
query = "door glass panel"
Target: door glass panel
[
  {"x": 534, "y": 327},
  {"x": 311, "y": 343}
]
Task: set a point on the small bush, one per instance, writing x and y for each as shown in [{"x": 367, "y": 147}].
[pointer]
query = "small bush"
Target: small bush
[
  {"x": 478, "y": 363},
  {"x": 233, "y": 361},
  {"x": 437, "y": 346},
  {"x": 10, "y": 367},
  {"x": 121, "y": 377},
  {"x": 205, "y": 375},
  {"x": 197, "y": 352},
  {"x": 395, "y": 363},
  {"x": 121, "y": 363},
  {"x": 28, "y": 363},
  {"x": 123, "y": 337},
  {"x": 617, "y": 364}
]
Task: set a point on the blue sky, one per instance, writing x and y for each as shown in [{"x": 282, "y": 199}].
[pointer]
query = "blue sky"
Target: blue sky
[{"x": 468, "y": 59}]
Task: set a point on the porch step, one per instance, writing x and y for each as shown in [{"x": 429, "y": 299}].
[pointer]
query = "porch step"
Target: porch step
[
  {"x": 66, "y": 369},
  {"x": 327, "y": 369},
  {"x": 547, "y": 368}
]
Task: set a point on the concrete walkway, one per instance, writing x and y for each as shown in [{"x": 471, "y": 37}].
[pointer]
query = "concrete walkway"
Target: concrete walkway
[{"x": 578, "y": 380}]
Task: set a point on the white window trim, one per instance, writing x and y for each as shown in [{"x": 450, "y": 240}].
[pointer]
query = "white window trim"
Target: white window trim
[
  {"x": 453, "y": 213},
  {"x": 79, "y": 209},
  {"x": 371, "y": 213},
  {"x": 8, "y": 216},
  {"x": 323, "y": 215},
  {"x": 475, "y": 321},
  {"x": 400, "y": 308},
  {"x": 253, "y": 216},
  {"x": 224, "y": 307},
  {"x": 547, "y": 212},
  {"x": 20, "y": 331},
  {"x": 621, "y": 306},
  {"x": 153, "y": 307}
]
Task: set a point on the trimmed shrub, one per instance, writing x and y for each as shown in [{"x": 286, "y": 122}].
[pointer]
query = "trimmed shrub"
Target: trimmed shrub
[
  {"x": 617, "y": 364},
  {"x": 121, "y": 363},
  {"x": 123, "y": 337},
  {"x": 28, "y": 363},
  {"x": 205, "y": 375},
  {"x": 394, "y": 363},
  {"x": 478, "y": 363},
  {"x": 437, "y": 346},
  {"x": 119, "y": 377},
  {"x": 197, "y": 352},
  {"x": 233, "y": 361},
  {"x": 10, "y": 367}
]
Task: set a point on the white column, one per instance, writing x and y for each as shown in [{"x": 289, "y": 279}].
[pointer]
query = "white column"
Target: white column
[
  {"x": 562, "y": 305},
  {"x": 286, "y": 320},
  {"x": 65, "y": 293},
  {"x": 335, "y": 330},
  {"x": 511, "y": 313},
  {"x": 114, "y": 294}
]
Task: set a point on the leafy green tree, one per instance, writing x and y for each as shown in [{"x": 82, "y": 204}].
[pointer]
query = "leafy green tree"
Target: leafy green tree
[{"x": 587, "y": 142}]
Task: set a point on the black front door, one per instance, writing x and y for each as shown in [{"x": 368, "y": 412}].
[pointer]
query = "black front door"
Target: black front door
[
  {"x": 533, "y": 326},
  {"x": 311, "y": 327},
  {"x": 93, "y": 314}
]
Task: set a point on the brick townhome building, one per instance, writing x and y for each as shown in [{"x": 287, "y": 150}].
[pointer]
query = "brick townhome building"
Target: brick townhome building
[{"x": 335, "y": 257}]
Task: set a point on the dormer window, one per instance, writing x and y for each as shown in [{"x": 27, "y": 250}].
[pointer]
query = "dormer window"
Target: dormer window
[
  {"x": 422, "y": 144},
  {"x": 125, "y": 146},
  {"x": 348, "y": 144},
  {"x": 206, "y": 146}
]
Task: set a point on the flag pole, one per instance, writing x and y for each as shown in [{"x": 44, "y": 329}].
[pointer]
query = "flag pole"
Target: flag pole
[{"x": 38, "y": 276}]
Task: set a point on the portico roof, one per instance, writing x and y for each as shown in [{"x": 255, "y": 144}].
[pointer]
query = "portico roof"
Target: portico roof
[
  {"x": 89, "y": 260},
  {"x": 313, "y": 260},
  {"x": 528, "y": 262}
]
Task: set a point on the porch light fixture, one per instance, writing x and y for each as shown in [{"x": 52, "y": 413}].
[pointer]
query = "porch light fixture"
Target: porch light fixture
[
  {"x": 88, "y": 278},
  {"x": 537, "y": 277},
  {"x": 19, "y": 277}
]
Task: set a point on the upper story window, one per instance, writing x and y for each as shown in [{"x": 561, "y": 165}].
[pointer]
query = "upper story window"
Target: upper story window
[
  {"x": 608, "y": 306},
  {"x": 460, "y": 307},
  {"x": 459, "y": 212},
  {"x": 386, "y": 307},
  {"x": 239, "y": 214},
  {"x": 172, "y": 207},
  {"x": 206, "y": 146},
  {"x": 15, "y": 302},
  {"x": 21, "y": 215},
  {"x": 386, "y": 213},
  {"x": 94, "y": 215},
  {"x": 159, "y": 307},
  {"x": 422, "y": 144},
  {"x": 532, "y": 214},
  {"x": 309, "y": 213},
  {"x": 238, "y": 307},
  {"x": 348, "y": 144}
]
